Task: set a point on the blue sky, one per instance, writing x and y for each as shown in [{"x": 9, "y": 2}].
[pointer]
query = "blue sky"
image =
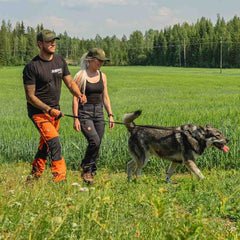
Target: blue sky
[{"x": 86, "y": 18}]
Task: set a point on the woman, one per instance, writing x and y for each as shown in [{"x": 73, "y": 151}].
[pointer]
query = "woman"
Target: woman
[{"x": 93, "y": 83}]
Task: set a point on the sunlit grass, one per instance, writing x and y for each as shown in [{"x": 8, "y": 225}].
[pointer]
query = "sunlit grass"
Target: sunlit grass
[
  {"x": 167, "y": 97},
  {"x": 113, "y": 208}
]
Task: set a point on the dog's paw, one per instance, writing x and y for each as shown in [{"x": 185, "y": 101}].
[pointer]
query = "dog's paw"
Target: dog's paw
[
  {"x": 130, "y": 179},
  {"x": 168, "y": 181}
]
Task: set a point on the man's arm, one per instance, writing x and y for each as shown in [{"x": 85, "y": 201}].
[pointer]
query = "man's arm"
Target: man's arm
[
  {"x": 33, "y": 100},
  {"x": 73, "y": 88},
  {"x": 36, "y": 102}
]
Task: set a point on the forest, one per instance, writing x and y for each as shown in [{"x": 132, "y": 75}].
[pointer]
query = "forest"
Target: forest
[{"x": 200, "y": 44}]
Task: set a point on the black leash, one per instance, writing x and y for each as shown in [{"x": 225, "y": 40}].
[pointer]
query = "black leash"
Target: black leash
[
  {"x": 103, "y": 120},
  {"x": 121, "y": 123}
]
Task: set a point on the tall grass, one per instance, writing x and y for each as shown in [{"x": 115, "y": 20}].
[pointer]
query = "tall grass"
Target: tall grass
[
  {"x": 114, "y": 208},
  {"x": 167, "y": 96}
]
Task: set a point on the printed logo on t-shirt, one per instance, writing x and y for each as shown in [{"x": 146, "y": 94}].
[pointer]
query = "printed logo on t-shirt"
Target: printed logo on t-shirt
[{"x": 58, "y": 71}]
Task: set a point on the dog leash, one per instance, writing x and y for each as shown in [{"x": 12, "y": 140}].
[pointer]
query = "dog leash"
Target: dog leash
[
  {"x": 121, "y": 123},
  {"x": 67, "y": 115}
]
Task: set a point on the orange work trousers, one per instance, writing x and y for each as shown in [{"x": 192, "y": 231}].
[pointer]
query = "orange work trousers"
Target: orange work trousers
[{"x": 49, "y": 145}]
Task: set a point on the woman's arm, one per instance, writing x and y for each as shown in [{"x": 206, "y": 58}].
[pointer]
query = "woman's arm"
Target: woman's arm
[
  {"x": 75, "y": 102},
  {"x": 76, "y": 123},
  {"x": 106, "y": 102}
]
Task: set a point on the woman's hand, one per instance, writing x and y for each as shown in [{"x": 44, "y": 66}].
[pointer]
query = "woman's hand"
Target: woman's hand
[
  {"x": 111, "y": 123},
  {"x": 76, "y": 125}
]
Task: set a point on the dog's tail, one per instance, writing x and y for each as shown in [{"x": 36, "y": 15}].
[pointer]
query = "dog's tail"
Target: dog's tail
[{"x": 129, "y": 117}]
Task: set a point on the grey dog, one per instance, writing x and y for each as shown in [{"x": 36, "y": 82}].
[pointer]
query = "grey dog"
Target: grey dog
[{"x": 177, "y": 144}]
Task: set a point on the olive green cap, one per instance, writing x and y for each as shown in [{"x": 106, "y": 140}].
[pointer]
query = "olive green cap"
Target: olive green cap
[
  {"x": 97, "y": 53},
  {"x": 46, "y": 35}
]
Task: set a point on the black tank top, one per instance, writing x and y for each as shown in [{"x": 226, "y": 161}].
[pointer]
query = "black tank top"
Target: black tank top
[{"x": 94, "y": 91}]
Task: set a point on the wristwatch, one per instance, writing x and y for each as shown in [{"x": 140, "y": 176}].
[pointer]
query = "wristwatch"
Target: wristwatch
[{"x": 110, "y": 114}]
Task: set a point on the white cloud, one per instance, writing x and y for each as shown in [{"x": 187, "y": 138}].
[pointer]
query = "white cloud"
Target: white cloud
[
  {"x": 49, "y": 22},
  {"x": 8, "y": 1},
  {"x": 164, "y": 11},
  {"x": 118, "y": 28},
  {"x": 60, "y": 25},
  {"x": 157, "y": 18},
  {"x": 113, "y": 22},
  {"x": 92, "y": 3},
  {"x": 56, "y": 22},
  {"x": 108, "y": 2},
  {"x": 163, "y": 17},
  {"x": 36, "y": 1}
]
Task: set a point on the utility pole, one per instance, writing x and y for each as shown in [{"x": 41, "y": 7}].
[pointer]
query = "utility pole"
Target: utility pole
[
  {"x": 221, "y": 55},
  {"x": 184, "y": 52},
  {"x": 179, "y": 54}
]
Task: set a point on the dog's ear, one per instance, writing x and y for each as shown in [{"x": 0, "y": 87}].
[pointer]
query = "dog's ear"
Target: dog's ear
[
  {"x": 202, "y": 130},
  {"x": 198, "y": 133},
  {"x": 208, "y": 126},
  {"x": 138, "y": 112}
]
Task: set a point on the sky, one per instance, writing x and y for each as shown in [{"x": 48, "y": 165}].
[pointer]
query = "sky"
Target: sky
[{"x": 85, "y": 19}]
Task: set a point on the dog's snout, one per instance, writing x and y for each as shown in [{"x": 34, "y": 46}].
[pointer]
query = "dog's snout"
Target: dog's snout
[{"x": 227, "y": 140}]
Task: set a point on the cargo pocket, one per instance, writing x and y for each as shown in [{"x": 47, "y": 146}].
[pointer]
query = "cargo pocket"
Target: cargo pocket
[{"x": 47, "y": 130}]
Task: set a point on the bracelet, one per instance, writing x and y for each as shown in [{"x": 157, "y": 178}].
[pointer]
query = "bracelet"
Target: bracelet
[
  {"x": 110, "y": 114},
  {"x": 49, "y": 111}
]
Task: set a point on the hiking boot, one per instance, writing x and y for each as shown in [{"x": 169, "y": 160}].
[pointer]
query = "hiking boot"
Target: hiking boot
[
  {"x": 59, "y": 178},
  {"x": 87, "y": 177},
  {"x": 58, "y": 169},
  {"x": 31, "y": 179}
]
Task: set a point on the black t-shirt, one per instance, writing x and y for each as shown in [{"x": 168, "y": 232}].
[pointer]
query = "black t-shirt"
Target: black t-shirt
[{"x": 47, "y": 78}]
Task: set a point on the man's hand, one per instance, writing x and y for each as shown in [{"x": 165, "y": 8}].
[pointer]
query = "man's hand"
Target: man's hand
[
  {"x": 83, "y": 98},
  {"x": 55, "y": 113}
]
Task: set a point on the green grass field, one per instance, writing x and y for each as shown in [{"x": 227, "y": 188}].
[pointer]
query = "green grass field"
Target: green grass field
[{"x": 113, "y": 208}]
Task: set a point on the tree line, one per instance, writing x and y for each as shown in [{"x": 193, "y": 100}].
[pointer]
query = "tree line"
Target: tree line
[{"x": 201, "y": 44}]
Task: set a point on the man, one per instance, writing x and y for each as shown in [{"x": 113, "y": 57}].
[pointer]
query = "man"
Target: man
[{"x": 42, "y": 79}]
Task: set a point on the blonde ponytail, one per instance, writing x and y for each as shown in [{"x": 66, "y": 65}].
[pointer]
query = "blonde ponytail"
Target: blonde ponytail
[{"x": 81, "y": 76}]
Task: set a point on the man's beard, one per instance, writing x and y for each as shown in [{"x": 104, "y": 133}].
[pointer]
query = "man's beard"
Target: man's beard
[{"x": 47, "y": 51}]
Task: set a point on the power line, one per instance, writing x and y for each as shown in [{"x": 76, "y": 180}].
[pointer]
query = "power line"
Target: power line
[{"x": 187, "y": 43}]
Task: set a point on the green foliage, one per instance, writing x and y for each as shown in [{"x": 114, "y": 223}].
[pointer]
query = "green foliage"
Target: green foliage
[
  {"x": 113, "y": 208},
  {"x": 116, "y": 209},
  {"x": 196, "y": 45},
  {"x": 167, "y": 96}
]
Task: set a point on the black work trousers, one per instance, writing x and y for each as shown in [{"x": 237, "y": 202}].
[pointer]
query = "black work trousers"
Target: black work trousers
[{"x": 92, "y": 126}]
